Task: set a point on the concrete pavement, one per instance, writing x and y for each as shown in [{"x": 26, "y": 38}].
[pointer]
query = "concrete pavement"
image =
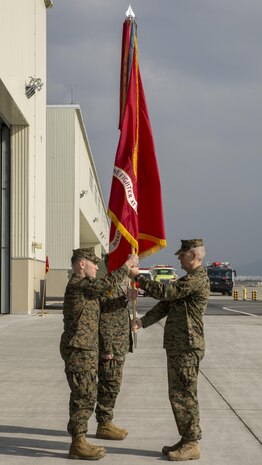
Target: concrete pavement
[{"x": 34, "y": 395}]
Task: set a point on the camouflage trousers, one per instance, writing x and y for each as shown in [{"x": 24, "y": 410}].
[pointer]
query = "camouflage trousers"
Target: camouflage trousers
[
  {"x": 110, "y": 374},
  {"x": 81, "y": 373},
  {"x": 182, "y": 384}
]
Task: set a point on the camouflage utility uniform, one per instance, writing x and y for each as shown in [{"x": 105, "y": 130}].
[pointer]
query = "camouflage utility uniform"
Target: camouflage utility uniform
[
  {"x": 184, "y": 303},
  {"x": 79, "y": 343},
  {"x": 114, "y": 338}
]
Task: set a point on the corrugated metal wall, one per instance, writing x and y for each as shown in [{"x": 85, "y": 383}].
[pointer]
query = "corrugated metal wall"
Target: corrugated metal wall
[
  {"x": 60, "y": 186},
  {"x": 19, "y": 196}
]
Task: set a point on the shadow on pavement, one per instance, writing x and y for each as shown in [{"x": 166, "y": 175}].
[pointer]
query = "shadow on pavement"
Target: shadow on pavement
[
  {"x": 32, "y": 447},
  {"x": 26, "y": 430},
  {"x": 47, "y": 448}
]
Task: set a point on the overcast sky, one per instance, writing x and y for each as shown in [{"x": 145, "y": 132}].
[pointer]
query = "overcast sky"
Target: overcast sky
[{"x": 201, "y": 66}]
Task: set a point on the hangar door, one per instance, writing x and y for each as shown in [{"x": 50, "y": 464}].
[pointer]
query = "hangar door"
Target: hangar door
[{"x": 5, "y": 217}]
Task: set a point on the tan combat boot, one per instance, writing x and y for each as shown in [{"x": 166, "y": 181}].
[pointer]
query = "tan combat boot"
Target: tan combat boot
[
  {"x": 110, "y": 431},
  {"x": 187, "y": 451},
  {"x": 176, "y": 446},
  {"x": 81, "y": 449}
]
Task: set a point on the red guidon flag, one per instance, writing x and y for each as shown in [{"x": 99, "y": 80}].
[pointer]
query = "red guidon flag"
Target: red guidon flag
[
  {"x": 135, "y": 204},
  {"x": 46, "y": 265}
]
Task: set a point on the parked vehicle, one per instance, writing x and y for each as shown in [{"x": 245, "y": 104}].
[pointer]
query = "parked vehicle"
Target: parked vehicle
[
  {"x": 164, "y": 273},
  {"x": 222, "y": 277},
  {"x": 147, "y": 273}
]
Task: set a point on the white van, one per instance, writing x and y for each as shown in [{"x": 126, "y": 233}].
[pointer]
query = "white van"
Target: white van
[{"x": 148, "y": 275}]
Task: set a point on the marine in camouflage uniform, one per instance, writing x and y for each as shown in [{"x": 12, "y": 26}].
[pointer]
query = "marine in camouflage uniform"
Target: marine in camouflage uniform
[
  {"x": 79, "y": 342},
  {"x": 183, "y": 303},
  {"x": 115, "y": 341}
]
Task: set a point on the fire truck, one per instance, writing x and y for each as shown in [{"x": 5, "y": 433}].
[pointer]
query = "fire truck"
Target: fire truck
[
  {"x": 222, "y": 277},
  {"x": 164, "y": 273}
]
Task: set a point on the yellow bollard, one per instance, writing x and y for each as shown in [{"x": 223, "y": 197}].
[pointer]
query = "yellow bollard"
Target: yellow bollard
[
  {"x": 244, "y": 294},
  {"x": 235, "y": 294},
  {"x": 254, "y": 295}
]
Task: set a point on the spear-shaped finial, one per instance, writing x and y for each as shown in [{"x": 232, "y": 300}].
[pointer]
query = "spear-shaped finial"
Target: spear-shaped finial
[{"x": 130, "y": 13}]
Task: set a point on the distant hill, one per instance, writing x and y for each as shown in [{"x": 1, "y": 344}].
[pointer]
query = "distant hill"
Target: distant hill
[{"x": 250, "y": 269}]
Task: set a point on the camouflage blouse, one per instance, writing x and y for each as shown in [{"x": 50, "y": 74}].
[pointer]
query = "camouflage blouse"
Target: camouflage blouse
[
  {"x": 115, "y": 327},
  {"x": 184, "y": 303},
  {"x": 82, "y": 308}
]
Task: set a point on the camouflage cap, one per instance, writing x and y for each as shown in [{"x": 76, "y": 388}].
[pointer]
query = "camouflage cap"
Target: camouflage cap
[
  {"x": 88, "y": 253},
  {"x": 189, "y": 244}
]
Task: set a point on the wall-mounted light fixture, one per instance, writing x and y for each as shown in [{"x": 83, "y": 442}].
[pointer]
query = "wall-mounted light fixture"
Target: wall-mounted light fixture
[
  {"x": 49, "y": 3},
  {"x": 37, "y": 245},
  {"x": 33, "y": 85},
  {"x": 82, "y": 193}
]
